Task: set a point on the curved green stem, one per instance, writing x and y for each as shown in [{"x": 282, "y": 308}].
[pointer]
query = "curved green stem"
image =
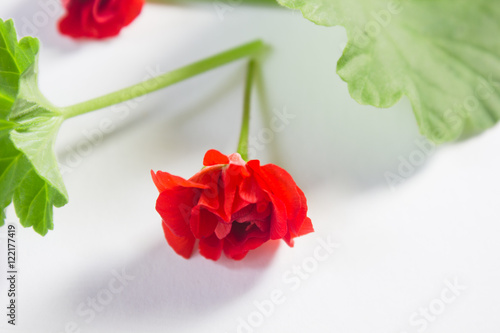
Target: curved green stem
[
  {"x": 245, "y": 123},
  {"x": 165, "y": 80}
]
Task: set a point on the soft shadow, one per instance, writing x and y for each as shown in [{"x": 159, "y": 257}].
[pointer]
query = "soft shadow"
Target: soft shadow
[
  {"x": 171, "y": 288},
  {"x": 264, "y": 106}
]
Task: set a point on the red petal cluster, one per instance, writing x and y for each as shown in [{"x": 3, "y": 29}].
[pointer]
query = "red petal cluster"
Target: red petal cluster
[
  {"x": 98, "y": 18},
  {"x": 231, "y": 207}
]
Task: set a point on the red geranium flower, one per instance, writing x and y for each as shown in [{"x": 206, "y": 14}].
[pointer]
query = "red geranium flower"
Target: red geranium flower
[
  {"x": 230, "y": 206},
  {"x": 98, "y": 18}
]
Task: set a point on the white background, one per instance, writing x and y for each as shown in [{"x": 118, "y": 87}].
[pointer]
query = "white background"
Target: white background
[{"x": 398, "y": 248}]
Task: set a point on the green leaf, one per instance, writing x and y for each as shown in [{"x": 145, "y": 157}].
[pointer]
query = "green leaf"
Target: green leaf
[
  {"x": 444, "y": 55},
  {"x": 39, "y": 123},
  {"x": 29, "y": 173},
  {"x": 10, "y": 162},
  {"x": 15, "y": 58}
]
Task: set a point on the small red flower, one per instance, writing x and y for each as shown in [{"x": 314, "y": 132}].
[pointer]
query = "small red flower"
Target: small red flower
[
  {"x": 230, "y": 206},
  {"x": 98, "y": 18}
]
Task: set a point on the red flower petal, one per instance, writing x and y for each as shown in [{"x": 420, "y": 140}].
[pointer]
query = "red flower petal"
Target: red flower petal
[
  {"x": 212, "y": 196},
  {"x": 174, "y": 206},
  {"x": 181, "y": 245},
  {"x": 237, "y": 250},
  {"x": 98, "y": 18},
  {"x": 278, "y": 225},
  {"x": 306, "y": 227},
  {"x": 289, "y": 240},
  {"x": 214, "y": 157},
  {"x": 297, "y": 223},
  {"x": 232, "y": 177},
  {"x": 202, "y": 222},
  {"x": 104, "y": 11},
  {"x": 165, "y": 181},
  {"x": 251, "y": 213},
  {"x": 131, "y": 11},
  {"x": 232, "y": 206},
  {"x": 222, "y": 229},
  {"x": 280, "y": 183},
  {"x": 238, "y": 203},
  {"x": 211, "y": 247},
  {"x": 250, "y": 190}
]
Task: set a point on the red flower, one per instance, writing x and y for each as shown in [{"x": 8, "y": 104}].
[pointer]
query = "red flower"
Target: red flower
[
  {"x": 230, "y": 206},
  {"x": 98, "y": 18}
]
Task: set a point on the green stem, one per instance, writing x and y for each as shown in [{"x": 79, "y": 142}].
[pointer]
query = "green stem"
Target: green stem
[
  {"x": 165, "y": 80},
  {"x": 245, "y": 123}
]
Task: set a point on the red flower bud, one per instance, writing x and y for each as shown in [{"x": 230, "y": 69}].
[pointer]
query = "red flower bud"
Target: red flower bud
[
  {"x": 98, "y": 18},
  {"x": 230, "y": 206}
]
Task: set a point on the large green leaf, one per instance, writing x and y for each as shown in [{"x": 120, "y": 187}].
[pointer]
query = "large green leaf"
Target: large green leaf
[
  {"x": 444, "y": 55},
  {"x": 29, "y": 173},
  {"x": 38, "y": 124}
]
